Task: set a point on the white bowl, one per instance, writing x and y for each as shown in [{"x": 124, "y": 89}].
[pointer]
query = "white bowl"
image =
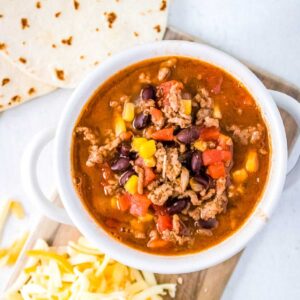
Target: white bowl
[{"x": 75, "y": 210}]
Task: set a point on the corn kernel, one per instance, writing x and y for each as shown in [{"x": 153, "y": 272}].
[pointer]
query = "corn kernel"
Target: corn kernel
[
  {"x": 146, "y": 218},
  {"x": 119, "y": 125},
  {"x": 217, "y": 112},
  {"x": 131, "y": 185},
  {"x": 200, "y": 145},
  {"x": 150, "y": 162},
  {"x": 239, "y": 175},
  {"x": 128, "y": 112},
  {"x": 147, "y": 149},
  {"x": 137, "y": 143},
  {"x": 17, "y": 209},
  {"x": 186, "y": 106},
  {"x": 252, "y": 162}
]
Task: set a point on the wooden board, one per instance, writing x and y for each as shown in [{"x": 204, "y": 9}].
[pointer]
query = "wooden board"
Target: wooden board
[{"x": 208, "y": 284}]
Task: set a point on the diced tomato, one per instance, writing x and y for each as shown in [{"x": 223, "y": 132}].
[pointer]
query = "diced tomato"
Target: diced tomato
[
  {"x": 124, "y": 202},
  {"x": 165, "y": 134},
  {"x": 157, "y": 243},
  {"x": 209, "y": 134},
  {"x": 213, "y": 156},
  {"x": 164, "y": 222},
  {"x": 149, "y": 175},
  {"x": 139, "y": 205},
  {"x": 156, "y": 114},
  {"x": 216, "y": 170},
  {"x": 165, "y": 87},
  {"x": 214, "y": 82}
]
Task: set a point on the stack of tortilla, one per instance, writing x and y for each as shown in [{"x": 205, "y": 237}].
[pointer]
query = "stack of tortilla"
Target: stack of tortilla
[{"x": 49, "y": 44}]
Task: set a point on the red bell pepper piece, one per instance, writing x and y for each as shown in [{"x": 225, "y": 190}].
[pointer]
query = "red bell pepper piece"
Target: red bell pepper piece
[
  {"x": 124, "y": 202},
  {"x": 216, "y": 170},
  {"x": 164, "y": 222},
  {"x": 213, "y": 156},
  {"x": 165, "y": 134},
  {"x": 209, "y": 134},
  {"x": 139, "y": 205}
]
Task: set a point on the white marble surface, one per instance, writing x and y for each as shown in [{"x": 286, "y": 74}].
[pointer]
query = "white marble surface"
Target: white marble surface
[{"x": 265, "y": 33}]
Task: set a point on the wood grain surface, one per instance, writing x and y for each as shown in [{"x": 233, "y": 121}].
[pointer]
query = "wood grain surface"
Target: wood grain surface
[{"x": 208, "y": 284}]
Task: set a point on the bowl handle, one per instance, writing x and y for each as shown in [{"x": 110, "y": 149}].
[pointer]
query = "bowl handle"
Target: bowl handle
[
  {"x": 30, "y": 180},
  {"x": 292, "y": 106}
]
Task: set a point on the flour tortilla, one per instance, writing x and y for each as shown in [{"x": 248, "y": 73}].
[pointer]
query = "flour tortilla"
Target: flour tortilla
[
  {"x": 60, "y": 41},
  {"x": 16, "y": 87}
]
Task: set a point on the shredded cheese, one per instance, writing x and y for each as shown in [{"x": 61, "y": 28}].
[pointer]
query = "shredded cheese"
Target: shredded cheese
[
  {"x": 4, "y": 212},
  {"x": 17, "y": 209},
  {"x": 81, "y": 272}
]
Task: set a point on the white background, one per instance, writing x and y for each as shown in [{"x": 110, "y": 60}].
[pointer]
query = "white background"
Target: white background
[{"x": 265, "y": 33}]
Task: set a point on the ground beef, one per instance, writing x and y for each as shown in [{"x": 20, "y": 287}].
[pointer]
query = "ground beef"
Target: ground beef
[
  {"x": 202, "y": 97},
  {"x": 111, "y": 189},
  {"x": 160, "y": 194},
  {"x": 141, "y": 175},
  {"x": 182, "y": 120},
  {"x": 167, "y": 162},
  {"x": 172, "y": 99},
  {"x": 160, "y": 155},
  {"x": 220, "y": 186},
  {"x": 193, "y": 197},
  {"x": 212, "y": 208},
  {"x": 176, "y": 224},
  {"x": 207, "y": 194},
  {"x": 211, "y": 122},
  {"x": 251, "y": 134},
  {"x": 173, "y": 168},
  {"x": 153, "y": 185},
  {"x": 201, "y": 115},
  {"x": 171, "y": 236},
  {"x": 88, "y": 135},
  {"x": 145, "y": 106},
  {"x": 95, "y": 156}
]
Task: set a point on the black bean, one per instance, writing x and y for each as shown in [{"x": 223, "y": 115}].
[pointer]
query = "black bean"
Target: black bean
[
  {"x": 133, "y": 155},
  {"x": 203, "y": 179},
  {"x": 141, "y": 121},
  {"x": 125, "y": 176},
  {"x": 177, "y": 206},
  {"x": 176, "y": 130},
  {"x": 196, "y": 162},
  {"x": 207, "y": 224},
  {"x": 124, "y": 149},
  {"x": 185, "y": 159},
  {"x": 188, "y": 135},
  {"x": 148, "y": 92},
  {"x": 195, "y": 109},
  {"x": 120, "y": 165}
]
